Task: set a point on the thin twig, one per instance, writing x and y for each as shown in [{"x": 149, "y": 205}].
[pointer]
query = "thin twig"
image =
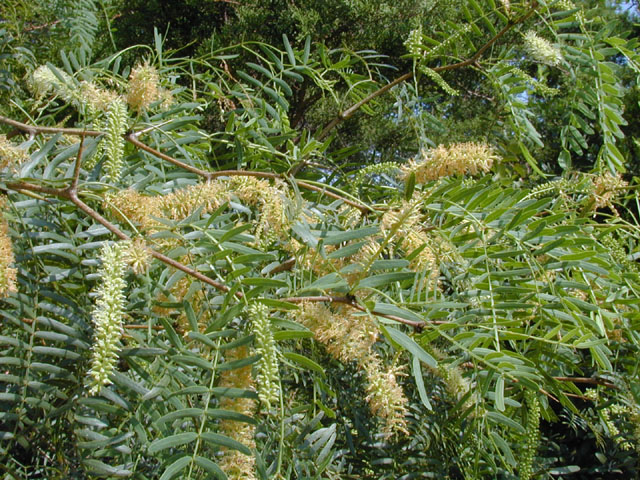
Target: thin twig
[
  {"x": 284, "y": 266},
  {"x": 73, "y": 197},
  {"x": 587, "y": 380},
  {"x": 349, "y": 112},
  {"x": 40, "y": 27},
  {"x": 34, "y": 130},
  {"x": 133, "y": 139}
]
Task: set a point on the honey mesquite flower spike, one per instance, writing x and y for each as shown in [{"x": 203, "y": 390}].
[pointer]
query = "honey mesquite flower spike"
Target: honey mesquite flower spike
[
  {"x": 7, "y": 272},
  {"x": 460, "y": 158},
  {"x": 116, "y": 126},
  {"x": 236, "y": 465},
  {"x": 268, "y": 376},
  {"x": 108, "y": 315}
]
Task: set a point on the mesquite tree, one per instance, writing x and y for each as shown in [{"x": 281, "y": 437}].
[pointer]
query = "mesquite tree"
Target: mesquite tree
[{"x": 195, "y": 284}]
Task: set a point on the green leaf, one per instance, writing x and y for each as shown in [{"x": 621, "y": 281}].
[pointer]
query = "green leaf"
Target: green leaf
[
  {"x": 332, "y": 281},
  {"x": 410, "y": 186},
  {"x": 180, "y": 414},
  {"x": 417, "y": 375},
  {"x": 383, "y": 279},
  {"x": 234, "y": 232},
  {"x": 530, "y": 160},
  {"x": 304, "y": 361},
  {"x": 191, "y": 316},
  {"x": 176, "y": 467},
  {"x": 222, "y": 414},
  {"x": 235, "y": 364},
  {"x": 210, "y": 467},
  {"x": 499, "y": 393},
  {"x": 224, "y": 441},
  {"x": 172, "y": 441},
  {"x": 292, "y": 335},
  {"x": 336, "y": 238},
  {"x": 97, "y": 467},
  {"x": 287, "y": 47},
  {"x": 506, "y": 421},
  {"x": 409, "y": 344},
  {"x": 389, "y": 309},
  {"x": 264, "y": 282},
  {"x": 193, "y": 361}
]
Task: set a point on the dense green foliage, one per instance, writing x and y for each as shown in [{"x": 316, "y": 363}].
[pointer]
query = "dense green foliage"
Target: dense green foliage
[{"x": 323, "y": 239}]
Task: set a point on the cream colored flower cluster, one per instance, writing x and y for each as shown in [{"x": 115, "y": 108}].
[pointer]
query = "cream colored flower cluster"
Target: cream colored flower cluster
[
  {"x": 443, "y": 161},
  {"x": 409, "y": 235},
  {"x": 10, "y": 155},
  {"x": 385, "y": 397},
  {"x": 606, "y": 188},
  {"x": 541, "y": 49},
  {"x": 414, "y": 42},
  {"x": 350, "y": 338},
  {"x": 138, "y": 255},
  {"x": 235, "y": 464},
  {"x": 7, "y": 272},
  {"x": 144, "y": 88},
  {"x": 130, "y": 205},
  {"x": 43, "y": 80},
  {"x": 98, "y": 99}
]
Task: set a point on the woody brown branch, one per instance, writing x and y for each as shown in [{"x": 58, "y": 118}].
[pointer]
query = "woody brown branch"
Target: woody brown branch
[
  {"x": 473, "y": 60},
  {"x": 134, "y": 140},
  {"x": 73, "y": 197}
]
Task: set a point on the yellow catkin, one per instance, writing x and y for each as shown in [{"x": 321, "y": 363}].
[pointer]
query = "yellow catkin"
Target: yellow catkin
[
  {"x": 139, "y": 256},
  {"x": 457, "y": 159},
  {"x": 8, "y": 274},
  {"x": 107, "y": 315},
  {"x": 43, "y": 80},
  {"x": 271, "y": 200},
  {"x": 350, "y": 338},
  {"x": 541, "y": 49},
  {"x": 385, "y": 397},
  {"x": 143, "y": 88},
  {"x": 98, "y": 99},
  {"x": 129, "y": 205},
  {"x": 235, "y": 464},
  {"x": 606, "y": 187},
  {"x": 10, "y": 155},
  {"x": 346, "y": 337},
  {"x": 267, "y": 368}
]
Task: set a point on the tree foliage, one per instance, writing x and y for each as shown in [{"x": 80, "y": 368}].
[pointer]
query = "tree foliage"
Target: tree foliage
[{"x": 355, "y": 242}]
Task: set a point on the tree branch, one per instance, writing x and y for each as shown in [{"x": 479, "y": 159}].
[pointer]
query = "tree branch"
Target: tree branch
[
  {"x": 71, "y": 194},
  {"x": 33, "y": 130},
  {"x": 349, "y": 112},
  {"x": 133, "y": 139},
  {"x": 587, "y": 380}
]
